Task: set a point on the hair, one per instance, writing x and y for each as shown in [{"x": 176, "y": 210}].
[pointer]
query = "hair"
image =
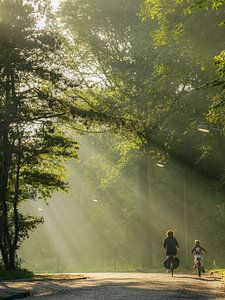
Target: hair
[
  {"x": 169, "y": 233},
  {"x": 197, "y": 241}
]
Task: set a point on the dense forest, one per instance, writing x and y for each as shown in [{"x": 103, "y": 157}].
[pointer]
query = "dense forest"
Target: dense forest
[{"x": 121, "y": 105}]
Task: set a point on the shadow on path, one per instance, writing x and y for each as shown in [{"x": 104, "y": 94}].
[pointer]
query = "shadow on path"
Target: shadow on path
[{"x": 127, "y": 287}]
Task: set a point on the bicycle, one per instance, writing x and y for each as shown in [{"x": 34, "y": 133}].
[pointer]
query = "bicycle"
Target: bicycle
[
  {"x": 171, "y": 264},
  {"x": 198, "y": 265}
]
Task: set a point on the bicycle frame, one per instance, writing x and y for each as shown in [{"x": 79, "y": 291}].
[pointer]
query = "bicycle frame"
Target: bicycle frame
[{"x": 198, "y": 265}]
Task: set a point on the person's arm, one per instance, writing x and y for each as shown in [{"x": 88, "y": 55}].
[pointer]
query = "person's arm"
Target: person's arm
[
  {"x": 192, "y": 250},
  {"x": 203, "y": 249},
  {"x": 164, "y": 244},
  {"x": 176, "y": 243}
]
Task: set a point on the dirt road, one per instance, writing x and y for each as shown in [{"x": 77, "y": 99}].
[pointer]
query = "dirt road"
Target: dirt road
[{"x": 132, "y": 286}]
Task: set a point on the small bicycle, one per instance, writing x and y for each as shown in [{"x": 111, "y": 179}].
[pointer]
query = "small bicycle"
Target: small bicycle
[
  {"x": 198, "y": 265},
  {"x": 171, "y": 263}
]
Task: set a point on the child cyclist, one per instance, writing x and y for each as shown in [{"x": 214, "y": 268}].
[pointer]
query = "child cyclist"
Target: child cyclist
[{"x": 197, "y": 251}]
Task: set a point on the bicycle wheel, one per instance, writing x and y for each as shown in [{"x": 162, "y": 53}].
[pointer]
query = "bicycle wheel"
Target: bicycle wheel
[{"x": 171, "y": 266}]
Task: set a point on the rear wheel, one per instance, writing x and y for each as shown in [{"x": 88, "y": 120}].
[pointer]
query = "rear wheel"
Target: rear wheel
[
  {"x": 199, "y": 268},
  {"x": 171, "y": 266}
]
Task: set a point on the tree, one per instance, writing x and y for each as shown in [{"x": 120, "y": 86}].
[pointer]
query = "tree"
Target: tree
[{"x": 33, "y": 145}]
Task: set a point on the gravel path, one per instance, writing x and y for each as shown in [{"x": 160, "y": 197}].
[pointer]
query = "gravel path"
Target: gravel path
[{"x": 132, "y": 286}]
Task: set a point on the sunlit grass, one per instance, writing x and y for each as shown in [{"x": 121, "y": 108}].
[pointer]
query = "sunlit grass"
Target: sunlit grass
[{"x": 218, "y": 271}]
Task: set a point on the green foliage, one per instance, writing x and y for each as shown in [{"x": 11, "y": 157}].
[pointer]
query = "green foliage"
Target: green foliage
[
  {"x": 205, "y": 4},
  {"x": 147, "y": 81},
  {"x": 215, "y": 115}
]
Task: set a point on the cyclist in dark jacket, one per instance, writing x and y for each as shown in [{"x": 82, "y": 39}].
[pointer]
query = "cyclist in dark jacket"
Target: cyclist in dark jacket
[{"x": 170, "y": 244}]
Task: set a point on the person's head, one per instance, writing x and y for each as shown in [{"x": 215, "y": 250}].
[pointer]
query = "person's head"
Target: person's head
[
  {"x": 169, "y": 233},
  {"x": 197, "y": 242}
]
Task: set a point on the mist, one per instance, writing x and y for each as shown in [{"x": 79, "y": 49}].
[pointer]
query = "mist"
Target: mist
[{"x": 96, "y": 225}]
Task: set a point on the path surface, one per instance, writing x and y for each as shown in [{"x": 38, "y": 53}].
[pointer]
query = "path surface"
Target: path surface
[{"x": 132, "y": 286}]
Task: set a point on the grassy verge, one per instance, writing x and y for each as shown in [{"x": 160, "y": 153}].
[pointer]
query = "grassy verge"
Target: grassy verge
[
  {"x": 218, "y": 271},
  {"x": 16, "y": 274},
  {"x": 58, "y": 276},
  {"x": 25, "y": 274}
]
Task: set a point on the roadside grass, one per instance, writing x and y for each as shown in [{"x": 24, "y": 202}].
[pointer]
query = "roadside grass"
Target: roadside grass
[
  {"x": 218, "y": 271},
  {"x": 26, "y": 274},
  {"x": 15, "y": 274},
  {"x": 58, "y": 276}
]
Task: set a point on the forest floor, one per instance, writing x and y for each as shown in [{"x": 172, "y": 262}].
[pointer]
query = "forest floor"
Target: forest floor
[{"x": 132, "y": 286}]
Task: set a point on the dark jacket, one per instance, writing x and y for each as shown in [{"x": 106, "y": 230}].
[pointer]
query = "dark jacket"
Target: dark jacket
[{"x": 171, "y": 245}]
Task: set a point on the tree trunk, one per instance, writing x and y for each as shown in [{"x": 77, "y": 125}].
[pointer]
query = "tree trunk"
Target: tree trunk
[
  {"x": 5, "y": 240},
  {"x": 18, "y": 167},
  {"x": 6, "y": 245},
  {"x": 145, "y": 215}
]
